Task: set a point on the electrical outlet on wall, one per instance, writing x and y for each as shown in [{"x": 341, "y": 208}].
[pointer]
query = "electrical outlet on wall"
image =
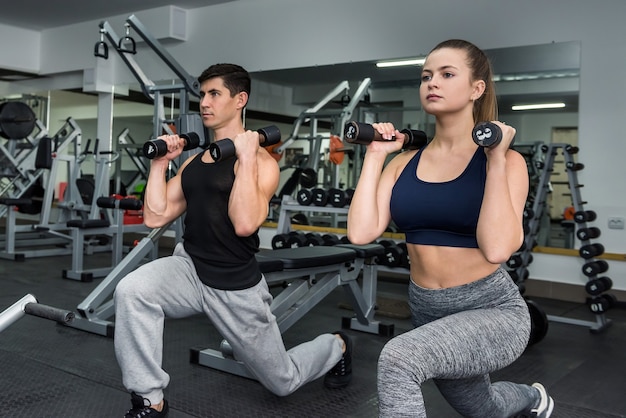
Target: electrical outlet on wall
[{"x": 616, "y": 223}]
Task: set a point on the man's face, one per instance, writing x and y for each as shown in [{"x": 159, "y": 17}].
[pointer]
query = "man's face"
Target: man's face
[{"x": 217, "y": 106}]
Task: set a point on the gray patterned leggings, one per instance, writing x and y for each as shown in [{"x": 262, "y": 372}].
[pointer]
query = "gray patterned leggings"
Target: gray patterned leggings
[{"x": 461, "y": 335}]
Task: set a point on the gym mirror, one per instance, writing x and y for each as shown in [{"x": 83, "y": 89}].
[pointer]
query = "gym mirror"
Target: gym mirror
[{"x": 536, "y": 74}]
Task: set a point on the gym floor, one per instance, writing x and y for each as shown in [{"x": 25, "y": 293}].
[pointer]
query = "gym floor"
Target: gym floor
[{"x": 50, "y": 370}]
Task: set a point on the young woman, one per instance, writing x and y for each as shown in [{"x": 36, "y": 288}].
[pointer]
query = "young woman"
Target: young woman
[{"x": 460, "y": 207}]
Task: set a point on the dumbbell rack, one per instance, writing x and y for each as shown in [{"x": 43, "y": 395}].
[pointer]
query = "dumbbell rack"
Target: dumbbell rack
[
  {"x": 288, "y": 204},
  {"x": 394, "y": 250},
  {"x": 519, "y": 262}
]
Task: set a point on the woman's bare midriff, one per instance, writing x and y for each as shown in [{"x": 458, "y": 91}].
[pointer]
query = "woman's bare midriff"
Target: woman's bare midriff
[{"x": 434, "y": 267}]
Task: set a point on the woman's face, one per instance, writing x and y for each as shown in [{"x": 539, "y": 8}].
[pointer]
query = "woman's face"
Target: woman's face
[{"x": 446, "y": 82}]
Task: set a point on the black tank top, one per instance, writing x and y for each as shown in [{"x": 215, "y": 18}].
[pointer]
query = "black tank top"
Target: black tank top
[{"x": 223, "y": 260}]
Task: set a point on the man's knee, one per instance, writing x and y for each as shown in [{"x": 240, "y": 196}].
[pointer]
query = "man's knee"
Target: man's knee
[
  {"x": 126, "y": 288},
  {"x": 279, "y": 385}
]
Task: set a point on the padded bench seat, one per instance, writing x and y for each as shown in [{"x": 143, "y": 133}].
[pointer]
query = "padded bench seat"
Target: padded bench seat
[
  {"x": 366, "y": 250},
  {"x": 269, "y": 265},
  {"x": 17, "y": 201},
  {"x": 307, "y": 257},
  {"x": 88, "y": 223}
]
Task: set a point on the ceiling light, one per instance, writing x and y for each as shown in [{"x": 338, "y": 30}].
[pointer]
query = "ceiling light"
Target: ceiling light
[
  {"x": 399, "y": 63},
  {"x": 538, "y": 106}
]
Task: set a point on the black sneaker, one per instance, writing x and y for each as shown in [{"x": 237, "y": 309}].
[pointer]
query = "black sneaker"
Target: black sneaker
[
  {"x": 141, "y": 408},
  {"x": 341, "y": 374}
]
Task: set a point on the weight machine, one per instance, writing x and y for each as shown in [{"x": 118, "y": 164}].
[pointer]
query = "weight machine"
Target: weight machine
[
  {"x": 188, "y": 86},
  {"x": 20, "y": 168},
  {"x": 126, "y": 49},
  {"x": 51, "y": 155},
  {"x": 306, "y": 171},
  {"x": 125, "y": 142},
  {"x": 94, "y": 314},
  {"x": 337, "y": 119}
]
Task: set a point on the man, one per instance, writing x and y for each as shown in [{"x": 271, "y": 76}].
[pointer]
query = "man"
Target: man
[{"x": 214, "y": 269}]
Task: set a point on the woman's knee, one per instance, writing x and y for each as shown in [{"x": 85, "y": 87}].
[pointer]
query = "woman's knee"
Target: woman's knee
[{"x": 399, "y": 358}]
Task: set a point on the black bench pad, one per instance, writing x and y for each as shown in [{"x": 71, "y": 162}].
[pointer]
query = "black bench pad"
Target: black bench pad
[
  {"x": 365, "y": 251},
  {"x": 88, "y": 223},
  {"x": 303, "y": 257},
  {"x": 268, "y": 265},
  {"x": 15, "y": 201}
]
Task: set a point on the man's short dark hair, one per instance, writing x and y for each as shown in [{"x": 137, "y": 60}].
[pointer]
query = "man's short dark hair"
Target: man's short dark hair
[{"x": 236, "y": 78}]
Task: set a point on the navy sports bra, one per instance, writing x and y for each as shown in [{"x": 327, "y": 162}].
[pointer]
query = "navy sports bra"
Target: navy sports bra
[{"x": 445, "y": 213}]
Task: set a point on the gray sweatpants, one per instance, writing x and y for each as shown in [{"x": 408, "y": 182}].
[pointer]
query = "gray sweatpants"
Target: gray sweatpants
[
  {"x": 170, "y": 287},
  {"x": 461, "y": 335}
]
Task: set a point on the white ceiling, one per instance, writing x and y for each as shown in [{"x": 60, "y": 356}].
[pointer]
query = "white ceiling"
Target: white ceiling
[
  {"x": 51, "y": 14},
  {"x": 543, "y": 59}
]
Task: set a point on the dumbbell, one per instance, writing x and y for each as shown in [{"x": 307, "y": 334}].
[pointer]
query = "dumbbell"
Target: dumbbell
[
  {"x": 364, "y": 133},
  {"x": 585, "y": 234},
  {"x": 319, "y": 197},
  {"x": 225, "y": 148},
  {"x": 404, "y": 262},
  {"x": 288, "y": 240},
  {"x": 313, "y": 239},
  {"x": 529, "y": 213},
  {"x": 308, "y": 177},
  {"x": 337, "y": 197},
  {"x": 545, "y": 148},
  {"x": 574, "y": 166},
  {"x": 392, "y": 256},
  {"x": 591, "y": 250},
  {"x": 158, "y": 147},
  {"x": 519, "y": 275},
  {"x": 487, "y": 134},
  {"x": 304, "y": 197},
  {"x": 583, "y": 216},
  {"x": 596, "y": 286},
  {"x": 592, "y": 268},
  {"x": 279, "y": 241},
  {"x": 297, "y": 239},
  {"x": 299, "y": 219},
  {"x": 330, "y": 240},
  {"x": 601, "y": 304},
  {"x": 349, "y": 195},
  {"x": 516, "y": 260}
]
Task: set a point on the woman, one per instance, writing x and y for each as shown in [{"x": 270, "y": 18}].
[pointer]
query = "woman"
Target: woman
[{"x": 460, "y": 207}]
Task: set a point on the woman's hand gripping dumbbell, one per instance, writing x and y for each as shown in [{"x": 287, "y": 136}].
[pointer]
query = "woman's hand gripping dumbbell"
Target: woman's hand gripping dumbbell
[
  {"x": 490, "y": 134},
  {"x": 364, "y": 133},
  {"x": 225, "y": 148}
]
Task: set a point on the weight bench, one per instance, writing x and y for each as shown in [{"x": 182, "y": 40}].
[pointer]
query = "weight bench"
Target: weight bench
[
  {"x": 312, "y": 273},
  {"x": 18, "y": 236},
  {"x": 82, "y": 228}
]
